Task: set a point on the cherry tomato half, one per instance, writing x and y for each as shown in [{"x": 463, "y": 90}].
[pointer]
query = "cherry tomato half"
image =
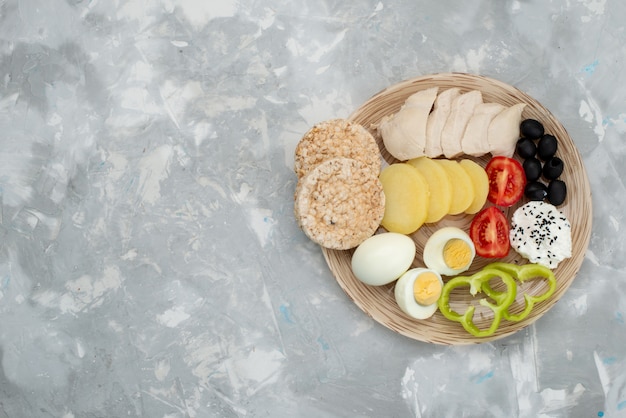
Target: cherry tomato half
[
  {"x": 490, "y": 233},
  {"x": 506, "y": 181}
]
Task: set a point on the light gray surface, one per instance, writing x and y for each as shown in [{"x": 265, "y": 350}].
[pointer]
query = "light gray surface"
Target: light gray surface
[{"x": 150, "y": 264}]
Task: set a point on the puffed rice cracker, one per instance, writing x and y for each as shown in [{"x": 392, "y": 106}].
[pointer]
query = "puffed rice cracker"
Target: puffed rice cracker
[
  {"x": 340, "y": 203},
  {"x": 332, "y": 139}
]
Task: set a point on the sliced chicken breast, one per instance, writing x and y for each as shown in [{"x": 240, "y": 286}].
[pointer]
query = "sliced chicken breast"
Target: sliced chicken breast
[
  {"x": 504, "y": 132},
  {"x": 454, "y": 128},
  {"x": 437, "y": 119},
  {"x": 404, "y": 133},
  {"x": 475, "y": 140}
]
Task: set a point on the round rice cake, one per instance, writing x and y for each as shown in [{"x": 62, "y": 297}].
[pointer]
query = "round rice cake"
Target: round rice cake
[
  {"x": 340, "y": 203},
  {"x": 336, "y": 138}
]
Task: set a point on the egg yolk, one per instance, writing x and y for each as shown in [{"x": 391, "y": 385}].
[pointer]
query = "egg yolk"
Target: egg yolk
[
  {"x": 457, "y": 254},
  {"x": 426, "y": 288}
]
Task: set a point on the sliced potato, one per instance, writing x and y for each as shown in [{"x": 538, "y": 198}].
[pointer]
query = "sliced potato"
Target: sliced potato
[
  {"x": 406, "y": 198},
  {"x": 479, "y": 179},
  {"x": 439, "y": 186},
  {"x": 462, "y": 187}
]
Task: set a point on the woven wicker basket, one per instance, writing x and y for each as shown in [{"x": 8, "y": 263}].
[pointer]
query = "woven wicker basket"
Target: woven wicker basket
[{"x": 379, "y": 302}]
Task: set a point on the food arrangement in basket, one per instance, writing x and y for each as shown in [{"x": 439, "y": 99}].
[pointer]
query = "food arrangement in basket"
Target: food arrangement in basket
[{"x": 451, "y": 208}]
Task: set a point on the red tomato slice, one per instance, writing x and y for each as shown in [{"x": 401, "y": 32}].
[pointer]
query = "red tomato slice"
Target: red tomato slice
[
  {"x": 490, "y": 233},
  {"x": 506, "y": 181}
]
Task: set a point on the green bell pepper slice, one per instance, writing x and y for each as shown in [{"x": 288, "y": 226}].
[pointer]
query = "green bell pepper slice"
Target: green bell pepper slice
[
  {"x": 477, "y": 284},
  {"x": 522, "y": 273}
]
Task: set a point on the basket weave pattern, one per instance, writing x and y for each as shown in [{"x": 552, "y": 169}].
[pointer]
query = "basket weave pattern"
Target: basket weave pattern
[{"x": 379, "y": 302}]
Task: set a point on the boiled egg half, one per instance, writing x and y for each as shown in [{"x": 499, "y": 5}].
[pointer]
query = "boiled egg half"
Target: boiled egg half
[
  {"x": 417, "y": 292},
  {"x": 449, "y": 251}
]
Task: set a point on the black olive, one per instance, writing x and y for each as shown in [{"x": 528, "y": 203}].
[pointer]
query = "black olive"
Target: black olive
[
  {"x": 532, "y": 169},
  {"x": 526, "y": 148},
  {"x": 531, "y": 128},
  {"x": 557, "y": 192},
  {"x": 546, "y": 147},
  {"x": 553, "y": 168},
  {"x": 536, "y": 191}
]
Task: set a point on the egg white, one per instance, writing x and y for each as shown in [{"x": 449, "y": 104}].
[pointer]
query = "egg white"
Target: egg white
[
  {"x": 433, "y": 250},
  {"x": 383, "y": 258},
  {"x": 405, "y": 298}
]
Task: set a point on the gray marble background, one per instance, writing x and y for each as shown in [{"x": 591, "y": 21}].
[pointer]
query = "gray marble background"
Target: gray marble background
[{"x": 150, "y": 264}]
